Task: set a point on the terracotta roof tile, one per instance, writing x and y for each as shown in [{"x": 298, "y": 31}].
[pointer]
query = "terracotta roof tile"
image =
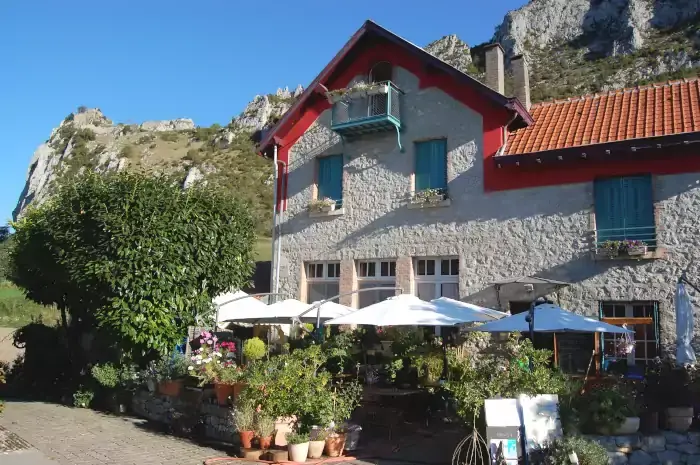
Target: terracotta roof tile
[{"x": 638, "y": 112}]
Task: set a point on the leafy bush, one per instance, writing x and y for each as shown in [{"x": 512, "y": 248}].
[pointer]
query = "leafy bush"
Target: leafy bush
[
  {"x": 169, "y": 136},
  {"x": 254, "y": 349},
  {"x": 82, "y": 398},
  {"x": 505, "y": 374},
  {"x": 243, "y": 416},
  {"x": 125, "y": 252},
  {"x": 264, "y": 425},
  {"x": 107, "y": 375},
  {"x": 129, "y": 152},
  {"x": 558, "y": 451},
  {"x": 604, "y": 408}
]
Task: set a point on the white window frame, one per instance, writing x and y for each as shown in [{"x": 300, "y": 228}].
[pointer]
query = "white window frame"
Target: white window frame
[
  {"x": 629, "y": 313},
  {"x": 325, "y": 276},
  {"x": 381, "y": 281},
  {"x": 438, "y": 279}
]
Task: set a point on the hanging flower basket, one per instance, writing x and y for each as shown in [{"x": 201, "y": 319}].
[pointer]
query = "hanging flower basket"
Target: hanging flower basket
[{"x": 377, "y": 89}]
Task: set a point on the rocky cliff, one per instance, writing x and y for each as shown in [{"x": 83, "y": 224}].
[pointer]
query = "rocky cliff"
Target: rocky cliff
[{"x": 573, "y": 47}]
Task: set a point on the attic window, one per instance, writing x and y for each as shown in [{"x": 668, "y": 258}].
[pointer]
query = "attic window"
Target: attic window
[{"x": 380, "y": 72}]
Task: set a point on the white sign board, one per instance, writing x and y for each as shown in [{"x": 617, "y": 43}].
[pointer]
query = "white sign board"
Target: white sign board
[
  {"x": 540, "y": 419},
  {"x": 502, "y": 412}
]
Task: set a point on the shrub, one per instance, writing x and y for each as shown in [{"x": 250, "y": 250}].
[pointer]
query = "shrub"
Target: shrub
[
  {"x": 604, "y": 408},
  {"x": 169, "y": 136},
  {"x": 70, "y": 117},
  {"x": 295, "y": 437},
  {"x": 243, "y": 416},
  {"x": 82, "y": 398},
  {"x": 254, "y": 349},
  {"x": 107, "y": 375},
  {"x": 82, "y": 109},
  {"x": 264, "y": 425},
  {"x": 129, "y": 152},
  {"x": 558, "y": 451}
]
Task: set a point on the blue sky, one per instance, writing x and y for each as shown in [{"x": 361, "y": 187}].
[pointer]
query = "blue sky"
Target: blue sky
[{"x": 154, "y": 59}]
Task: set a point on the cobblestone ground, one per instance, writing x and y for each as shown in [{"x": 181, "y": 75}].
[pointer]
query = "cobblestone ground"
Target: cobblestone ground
[
  {"x": 84, "y": 437},
  {"x": 73, "y": 436}
]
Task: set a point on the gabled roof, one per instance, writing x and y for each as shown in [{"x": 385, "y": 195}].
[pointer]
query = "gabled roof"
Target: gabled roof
[
  {"x": 370, "y": 28},
  {"x": 620, "y": 115}
]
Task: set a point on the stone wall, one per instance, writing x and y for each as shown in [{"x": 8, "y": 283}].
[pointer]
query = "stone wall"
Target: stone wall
[
  {"x": 192, "y": 414},
  {"x": 665, "y": 448},
  {"x": 544, "y": 231}
]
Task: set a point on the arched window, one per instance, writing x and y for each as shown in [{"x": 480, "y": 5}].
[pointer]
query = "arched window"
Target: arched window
[{"x": 380, "y": 72}]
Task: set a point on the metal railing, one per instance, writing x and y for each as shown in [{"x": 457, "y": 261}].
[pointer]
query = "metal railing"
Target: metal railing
[
  {"x": 606, "y": 238},
  {"x": 356, "y": 109}
]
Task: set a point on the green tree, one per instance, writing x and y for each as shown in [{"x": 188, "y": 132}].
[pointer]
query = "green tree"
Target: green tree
[
  {"x": 135, "y": 256},
  {"x": 5, "y": 242}
]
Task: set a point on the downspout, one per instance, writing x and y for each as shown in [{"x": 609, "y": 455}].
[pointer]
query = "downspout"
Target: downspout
[
  {"x": 273, "y": 278},
  {"x": 278, "y": 259}
]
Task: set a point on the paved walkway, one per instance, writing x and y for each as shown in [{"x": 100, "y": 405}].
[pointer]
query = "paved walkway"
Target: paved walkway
[
  {"x": 83, "y": 437},
  {"x": 38, "y": 433}
]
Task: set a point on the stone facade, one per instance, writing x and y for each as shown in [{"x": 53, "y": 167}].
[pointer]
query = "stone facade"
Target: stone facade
[
  {"x": 544, "y": 231},
  {"x": 187, "y": 415},
  {"x": 665, "y": 448}
]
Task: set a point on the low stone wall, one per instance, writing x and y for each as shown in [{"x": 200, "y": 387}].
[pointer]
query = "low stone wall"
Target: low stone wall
[
  {"x": 665, "y": 448},
  {"x": 194, "y": 413}
]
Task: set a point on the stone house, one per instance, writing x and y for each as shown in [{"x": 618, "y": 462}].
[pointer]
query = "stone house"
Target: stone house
[{"x": 443, "y": 186}]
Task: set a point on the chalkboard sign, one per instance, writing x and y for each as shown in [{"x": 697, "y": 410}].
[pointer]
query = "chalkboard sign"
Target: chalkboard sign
[{"x": 574, "y": 351}]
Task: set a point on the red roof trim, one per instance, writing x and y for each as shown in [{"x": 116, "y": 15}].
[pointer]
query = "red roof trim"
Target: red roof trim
[{"x": 368, "y": 27}]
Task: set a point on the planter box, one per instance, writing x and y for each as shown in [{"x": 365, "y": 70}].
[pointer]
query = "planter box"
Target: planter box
[
  {"x": 629, "y": 426},
  {"x": 380, "y": 89},
  {"x": 435, "y": 198},
  {"x": 636, "y": 251},
  {"x": 170, "y": 388},
  {"x": 327, "y": 208}
]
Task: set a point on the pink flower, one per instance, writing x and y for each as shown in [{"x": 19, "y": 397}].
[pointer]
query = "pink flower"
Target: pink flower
[
  {"x": 214, "y": 338},
  {"x": 209, "y": 341},
  {"x": 201, "y": 341}
]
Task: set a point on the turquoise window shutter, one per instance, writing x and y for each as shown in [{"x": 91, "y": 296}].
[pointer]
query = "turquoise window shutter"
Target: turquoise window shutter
[
  {"x": 330, "y": 177},
  {"x": 431, "y": 164},
  {"x": 639, "y": 209}
]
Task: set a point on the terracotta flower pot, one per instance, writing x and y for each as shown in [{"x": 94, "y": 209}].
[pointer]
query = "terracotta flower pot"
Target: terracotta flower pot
[
  {"x": 298, "y": 452},
  {"x": 316, "y": 449},
  {"x": 171, "y": 387},
  {"x": 335, "y": 443},
  {"x": 223, "y": 392},
  {"x": 246, "y": 438},
  {"x": 266, "y": 442}
]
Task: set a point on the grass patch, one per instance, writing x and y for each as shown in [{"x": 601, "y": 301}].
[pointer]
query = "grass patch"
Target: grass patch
[
  {"x": 263, "y": 249},
  {"x": 16, "y": 310}
]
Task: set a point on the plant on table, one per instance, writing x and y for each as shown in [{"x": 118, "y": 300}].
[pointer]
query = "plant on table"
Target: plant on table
[
  {"x": 210, "y": 358},
  {"x": 254, "y": 349},
  {"x": 504, "y": 374},
  {"x": 297, "y": 437}
]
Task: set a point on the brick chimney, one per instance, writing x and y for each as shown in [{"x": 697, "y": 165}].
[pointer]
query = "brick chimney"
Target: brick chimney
[
  {"x": 521, "y": 80},
  {"x": 495, "y": 77}
]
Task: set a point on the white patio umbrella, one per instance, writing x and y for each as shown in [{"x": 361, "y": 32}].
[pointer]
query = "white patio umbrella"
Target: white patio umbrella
[
  {"x": 285, "y": 311},
  {"x": 233, "y": 303},
  {"x": 549, "y": 318},
  {"x": 463, "y": 309},
  {"x": 404, "y": 310},
  {"x": 684, "y": 326}
]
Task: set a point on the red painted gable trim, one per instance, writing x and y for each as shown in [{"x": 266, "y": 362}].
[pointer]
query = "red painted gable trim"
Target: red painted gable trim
[{"x": 494, "y": 117}]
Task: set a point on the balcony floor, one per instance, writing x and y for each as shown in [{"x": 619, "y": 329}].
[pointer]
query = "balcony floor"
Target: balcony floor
[{"x": 368, "y": 125}]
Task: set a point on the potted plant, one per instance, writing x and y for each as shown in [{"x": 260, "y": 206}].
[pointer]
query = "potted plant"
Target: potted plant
[
  {"x": 609, "y": 248},
  {"x": 633, "y": 248},
  {"x": 243, "y": 417},
  {"x": 213, "y": 362},
  {"x": 358, "y": 90},
  {"x": 226, "y": 385},
  {"x": 317, "y": 443},
  {"x": 254, "y": 349},
  {"x": 336, "y": 95},
  {"x": 324, "y": 205},
  {"x": 378, "y": 88},
  {"x": 298, "y": 446},
  {"x": 264, "y": 429},
  {"x": 429, "y": 196},
  {"x": 345, "y": 399}
]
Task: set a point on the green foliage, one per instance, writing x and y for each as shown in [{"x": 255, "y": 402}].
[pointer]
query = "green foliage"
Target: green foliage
[
  {"x": 229, "y": 375},
  {"x": 195, "y": 156},
  {"x": 169, "y": 136},
  {"x": 107, "y": 375},
  {"x": 15, "y": 309},
  {"x": 254, "y": 349},
  {"x": 505, "y": 374},
  {"x": 135, "y": 255},
  {"x": 204, "y": 134},
  {"x": 243, "y": 416},
  {"x": 264, "y": 425},
  {"x": 82, "y": 398},
  {"x": 558, "y": 451},
  {"x": 604, "y": 408},
  {"x": 129, "y": 152},
  {"x": 294, "y": 437},
  {"x": 147, "y": 139},
  {"x": 429, "y": 364}
]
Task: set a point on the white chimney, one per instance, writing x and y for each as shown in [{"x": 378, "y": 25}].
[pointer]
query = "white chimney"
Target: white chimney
[
  {"x": 495, "y": 77},
  {"x": 521, "y": 80}
]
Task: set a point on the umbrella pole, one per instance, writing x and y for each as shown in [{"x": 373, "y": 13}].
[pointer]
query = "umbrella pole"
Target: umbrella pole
[{"x": 531, "y": 327}]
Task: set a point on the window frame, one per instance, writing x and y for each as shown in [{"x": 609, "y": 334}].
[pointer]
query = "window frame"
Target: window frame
[
  {"x": 380, "y": 281},
  {"x": 318, "y": 195},
  {"x": 436, "y": 279},
  {"x": 652, "y": 321},
  {"x": 326, "y": 267}
]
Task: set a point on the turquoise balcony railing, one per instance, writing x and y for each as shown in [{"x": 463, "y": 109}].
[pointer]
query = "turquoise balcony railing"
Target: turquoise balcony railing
[
  {"x": 360, "y": 112},
  {"x": 639, "y": 237}
]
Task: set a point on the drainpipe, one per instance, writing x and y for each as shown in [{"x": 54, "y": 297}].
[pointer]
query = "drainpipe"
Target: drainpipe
[
  {"x": 280, "y": 217},
  {"x": 273, "y": 278}
]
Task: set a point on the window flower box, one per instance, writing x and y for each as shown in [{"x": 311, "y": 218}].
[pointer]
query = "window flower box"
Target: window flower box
[
  {"x": 430, "y": 196},
  {"x": 323, "y": 206},
  {"x": 357, "y": 91},
  {"x": 627, "y": 247}
]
